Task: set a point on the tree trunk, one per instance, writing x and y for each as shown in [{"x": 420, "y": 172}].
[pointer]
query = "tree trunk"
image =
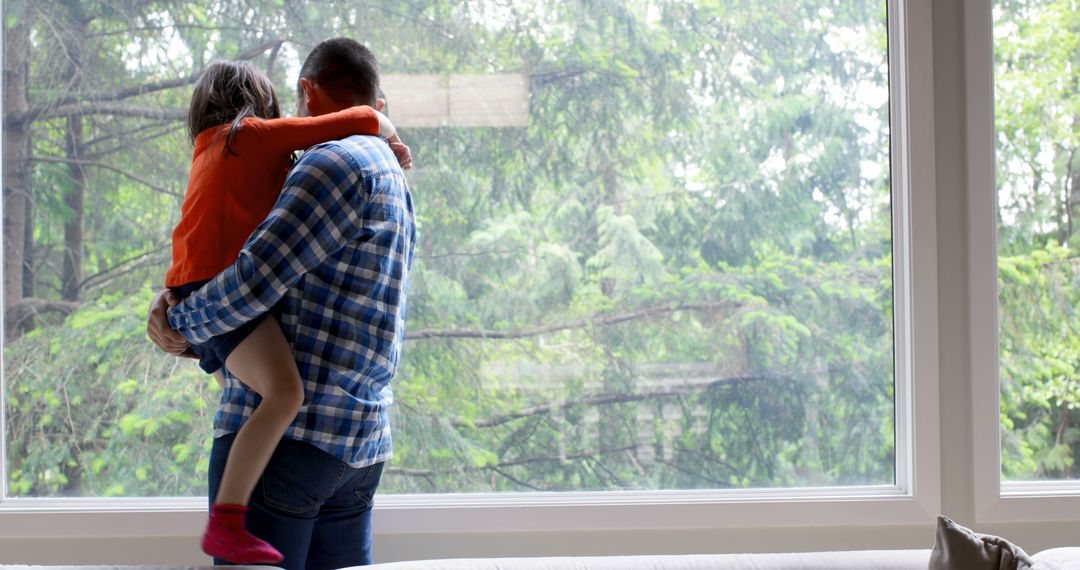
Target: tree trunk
[
  {"x": 71, "y": 279},
  {"x": 610, "y": 181},
  {"x": 1072, "y": 200},
  {"x": 17, "y": 199},
  {"x": 28, "y": 289},
  {"x": 74, "y": 200}
]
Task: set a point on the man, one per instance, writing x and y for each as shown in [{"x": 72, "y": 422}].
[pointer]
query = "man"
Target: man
[{"x": 333, "y": 260}]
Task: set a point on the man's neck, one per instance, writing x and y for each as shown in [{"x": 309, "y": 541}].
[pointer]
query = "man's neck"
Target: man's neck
[
  {"x": 331, "y": 109},
  {"x": 328, "y": 105}
]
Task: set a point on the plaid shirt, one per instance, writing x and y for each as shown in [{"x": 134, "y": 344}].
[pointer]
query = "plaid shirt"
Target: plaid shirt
[{"x": 333, "y": 260}]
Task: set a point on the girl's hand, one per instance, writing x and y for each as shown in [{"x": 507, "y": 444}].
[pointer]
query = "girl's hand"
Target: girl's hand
[{"x": 401, "y": 151}]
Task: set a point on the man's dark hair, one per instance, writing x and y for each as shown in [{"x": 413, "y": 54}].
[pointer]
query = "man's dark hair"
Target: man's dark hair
[{"x": 345, "y": 69}]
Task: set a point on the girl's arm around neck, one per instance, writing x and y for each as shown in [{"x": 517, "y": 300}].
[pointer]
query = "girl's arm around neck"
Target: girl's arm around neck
[{"x": 288, "y": 134}]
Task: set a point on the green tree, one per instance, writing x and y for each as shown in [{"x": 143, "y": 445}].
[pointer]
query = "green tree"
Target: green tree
[
  {"x": 1037, "y": 71},
  {"x": 677, "y": 275}
]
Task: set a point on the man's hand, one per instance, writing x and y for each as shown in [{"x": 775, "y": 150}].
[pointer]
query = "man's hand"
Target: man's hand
[
  {"x": 401, "y": 151},
  {"x": 159, "y": 330}
]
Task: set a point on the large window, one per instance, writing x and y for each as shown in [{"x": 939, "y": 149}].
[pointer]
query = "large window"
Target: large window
[
  {"x": 1022, "y": 135},
  {"x": 656, "y": 242},
  {"x": 1036, "y": 43}
]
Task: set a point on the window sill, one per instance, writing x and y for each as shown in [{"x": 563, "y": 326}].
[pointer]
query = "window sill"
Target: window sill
[
  {"x": 491, "y": 513},
  {"x": 1028, "y": 501}
]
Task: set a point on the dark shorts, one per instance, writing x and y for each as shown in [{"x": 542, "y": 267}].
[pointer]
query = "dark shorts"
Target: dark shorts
[{"x": 212, "y": 353}]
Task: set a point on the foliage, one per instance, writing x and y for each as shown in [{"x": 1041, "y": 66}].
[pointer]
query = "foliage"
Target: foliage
[
  {"x": 94, "y": 411},
  {"x": 677, "y": 276},
  {"x": 1040, "y": 356},
  {"x": 1038, "y": 121}
]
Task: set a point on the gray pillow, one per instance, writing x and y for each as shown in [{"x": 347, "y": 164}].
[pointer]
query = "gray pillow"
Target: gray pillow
[{"x": 959, "y": 548}]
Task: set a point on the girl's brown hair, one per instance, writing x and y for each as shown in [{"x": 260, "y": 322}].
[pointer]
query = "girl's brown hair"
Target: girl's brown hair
[{"x": 227, "y": 93}]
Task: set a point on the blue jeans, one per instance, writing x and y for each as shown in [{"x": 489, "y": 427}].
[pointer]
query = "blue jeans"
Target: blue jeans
[{"x": 308, "y": 504}]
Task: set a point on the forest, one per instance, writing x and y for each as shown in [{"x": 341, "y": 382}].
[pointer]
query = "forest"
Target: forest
[{"x": 676, "y": 274}]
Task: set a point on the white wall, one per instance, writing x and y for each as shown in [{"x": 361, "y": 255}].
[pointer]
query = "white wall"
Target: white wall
[{"x": 956, "y": 460}]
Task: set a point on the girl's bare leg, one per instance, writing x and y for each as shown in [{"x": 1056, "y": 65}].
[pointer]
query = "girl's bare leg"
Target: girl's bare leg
[{"x": 264, "y": 362}]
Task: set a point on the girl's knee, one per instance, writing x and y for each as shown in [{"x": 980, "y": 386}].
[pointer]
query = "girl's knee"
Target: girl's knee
[
  {"x": 286, "y": 397},
  {"x": 296, "y": 396}
]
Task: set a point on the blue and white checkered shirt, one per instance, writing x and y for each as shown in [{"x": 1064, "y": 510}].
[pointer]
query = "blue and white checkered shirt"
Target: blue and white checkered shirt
[{"x": 333, "y": 257}]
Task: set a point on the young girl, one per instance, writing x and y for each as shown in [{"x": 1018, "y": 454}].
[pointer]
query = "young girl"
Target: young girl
[{"x": 243, "y": 152}]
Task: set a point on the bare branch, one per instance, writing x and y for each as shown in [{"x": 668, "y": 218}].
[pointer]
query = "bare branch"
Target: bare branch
[
  {"x": 503, "y": 464},
  {"x": 471, "y": 253},
  {"x": 603, "y": 400},
  {"x": 517, "y": 481},
  {"x": 272, "y": 58},
  {"x": 107, "y": 274},
  {"x": 718, "y": 483},
  {"x": 130, "y": 143},
  {"x": 161, "y": 28},
  {"x": 118, "y": 274},
  {"x": 54, "y": 108},
  {"x": 114, "y": 109},
  {"x": 110, "y": 168},
  {"x": 97, "y": 103},
  {"x": 584, "y": 323},
  {"x": 566, "y": 457},
  {"x": 29, "y": 307},
  {"x": 543, "y": 78}
]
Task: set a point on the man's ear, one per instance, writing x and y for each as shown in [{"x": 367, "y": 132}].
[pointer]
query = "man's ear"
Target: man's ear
[
  {"x": 311, "y": 93},
  {"x": 379, "y": 104}
]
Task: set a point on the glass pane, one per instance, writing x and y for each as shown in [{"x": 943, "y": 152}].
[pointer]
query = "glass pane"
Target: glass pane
[
  {"x": 1037, "y": 69},
  {"x": 655, "y": 241}
]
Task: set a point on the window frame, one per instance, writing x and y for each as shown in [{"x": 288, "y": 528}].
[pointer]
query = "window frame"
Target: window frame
[
  {"x": 995, "y": 500},
  {"x": 914, "y": 499}
]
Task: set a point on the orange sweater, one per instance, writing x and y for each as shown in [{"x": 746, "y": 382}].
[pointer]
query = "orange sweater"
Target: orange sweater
[{"x": 229, "y": 196}]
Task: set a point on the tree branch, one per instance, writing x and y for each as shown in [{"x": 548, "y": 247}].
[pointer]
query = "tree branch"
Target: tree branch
[
  {"x": 603, "y": 400},
  {"x": 93, "y": 103},
  {"x": 161, "y": 28},
  {"x": 130, "y": 142},
  {"x": 110, "y": 168},
  {"x": 584, "y": 323},
  {"x": 118, "y": 270},
  {"x": 720, "y": 484},
  {"x": 543, "y": 78},
  {"x": 114, "y": 109},
  {"x": 470, "y": 253},
  {"x": 126, "y": 271},
  {"x": 29, "y": 307},
  {"x": 427, "y": 473},
  {"x": 272, "y": 58},
  {"x": 517, "y": 481}
]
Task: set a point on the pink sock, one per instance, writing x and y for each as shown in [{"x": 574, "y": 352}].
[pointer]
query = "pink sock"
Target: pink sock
[{"x": 226, "y": 537}]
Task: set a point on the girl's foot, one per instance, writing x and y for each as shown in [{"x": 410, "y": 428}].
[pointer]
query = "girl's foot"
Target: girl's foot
[{"x": 226, "y": 537}]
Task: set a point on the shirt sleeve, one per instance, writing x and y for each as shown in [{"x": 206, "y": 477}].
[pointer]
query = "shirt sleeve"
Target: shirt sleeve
[
  {"x": 285, "y": 135},
  {"x": 319, "y": 211}
]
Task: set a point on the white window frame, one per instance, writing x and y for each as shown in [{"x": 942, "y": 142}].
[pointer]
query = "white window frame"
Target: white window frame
[
  {"x": 914, "y": 499},
  {"x": 995, "y": 500}
]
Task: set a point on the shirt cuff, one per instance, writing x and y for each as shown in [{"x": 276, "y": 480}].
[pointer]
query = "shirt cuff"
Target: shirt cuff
[{"x": 187, "y": 322}]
